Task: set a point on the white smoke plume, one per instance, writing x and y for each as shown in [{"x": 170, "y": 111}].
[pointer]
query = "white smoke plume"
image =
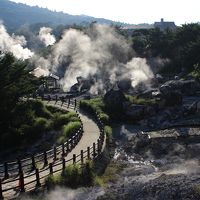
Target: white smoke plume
[
  {"x": 100, "y": 52},
  {"x": 46, "y": 37},
  {"x": 13, "y": 44}
]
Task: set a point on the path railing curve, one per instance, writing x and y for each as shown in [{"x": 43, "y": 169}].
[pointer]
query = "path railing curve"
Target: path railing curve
[{"x": 53, "y": 161}]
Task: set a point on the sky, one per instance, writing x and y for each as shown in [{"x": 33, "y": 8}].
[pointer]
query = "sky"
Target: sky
[{"x": 130, "y": 11}]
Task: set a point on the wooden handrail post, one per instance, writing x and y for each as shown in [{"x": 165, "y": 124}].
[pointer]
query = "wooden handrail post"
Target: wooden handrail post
[
  {"x": 37, "y": 174},
  {"x": 1, "y": 191},
  {"x": 33, "y": 162},
  {"x": 76, "y": 139},
  {"x": 54, "y": 153},
  {"x": 88, "y": 153},
  {"x": 63, "y": 164},
  {"x": 51, "y": 168},
  {"x": 75, "y": 104},
  {"x": 45, "y": 159},
  {"x": 21, "y": 182},
  {"x": 6, "y": 175},
  {"x": 63, "y": 150},
  {"x": 68, "y": 103},
  {"x": 74, "y": 158},
  {"x": 98, "y": 146},
  {"x": 19, "y": 166},
  {"x": 82, "y": 159},
  {"x": 94, "y": 150},
  {"x": 68, "y": 146}
]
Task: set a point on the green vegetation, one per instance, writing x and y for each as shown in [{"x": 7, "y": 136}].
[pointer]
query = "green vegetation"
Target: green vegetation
[
  {"x": 140, "y": 101},
  {"x": 68, "y": 130},
  {"x": 22, "y": 122},
  {"x": 61, "y": 119},
  {"x": 97, "y": 105},
  {"x": 108, "y": 132},
  {"x": 110, "y": 174},
  {"x": 197, "y": 189},
  {"x": 73, "y": 176},
  {"x": 33, "y": 119},
  {"x": 180, "y": 46}
]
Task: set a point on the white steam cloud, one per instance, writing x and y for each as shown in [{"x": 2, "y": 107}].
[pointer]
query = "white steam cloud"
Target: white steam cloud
[
  {"x": 13, "y": 44},
  {"x": 100, "y": 53},
  {"x": 46, "y": 37}
]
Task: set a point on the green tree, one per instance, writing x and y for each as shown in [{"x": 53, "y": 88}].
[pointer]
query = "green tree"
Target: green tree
[{"x": 15, "y": 82}]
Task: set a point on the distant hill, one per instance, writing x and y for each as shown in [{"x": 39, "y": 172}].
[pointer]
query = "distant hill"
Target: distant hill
[{"x": 15, "y": 15}]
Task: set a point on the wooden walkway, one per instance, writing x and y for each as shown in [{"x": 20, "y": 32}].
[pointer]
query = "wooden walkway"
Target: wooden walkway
[{"x": 30, "y": 173}]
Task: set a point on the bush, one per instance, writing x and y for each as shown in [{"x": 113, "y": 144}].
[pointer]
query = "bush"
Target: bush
[
  {"x": 53, "y": 180},
  {"x": 104, "y": 118},
  {"x": 72, "y": 176},
  {"x": 61, "y": 119},
  {"x": 95, "y": 105},
  {"x": 140, "y": 101},
  {"x": 75, "y": 175},
  {"x": 40, "y": 109},
  {"x": 68, "y": 130},
  {"x": 41, "y": 124},
  {"x": 108, "y": 132}
]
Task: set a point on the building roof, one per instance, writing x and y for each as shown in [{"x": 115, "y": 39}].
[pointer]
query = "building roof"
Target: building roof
[
  {"x": 164, "y": 25},
  {"x": 54, "y": 76}
]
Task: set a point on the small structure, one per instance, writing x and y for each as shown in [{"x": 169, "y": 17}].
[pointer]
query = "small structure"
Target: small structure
[
  {"x": 52, "y": 82},
  {"x": 162, "y": 25}
]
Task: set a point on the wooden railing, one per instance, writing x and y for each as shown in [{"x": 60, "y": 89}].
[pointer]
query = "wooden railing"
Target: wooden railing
[{"x": 30, "y": 173}]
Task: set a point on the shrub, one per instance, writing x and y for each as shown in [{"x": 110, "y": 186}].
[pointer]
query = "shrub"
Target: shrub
[
  {"x": 41, "y": 124},
  {"x": 141, "y": 101},
  {"x": 108, "y": 132},
  {"x": 53, "y": 180},
  {"x": 72, "y": 176},
  {"x": 88, "y": 173},
  {"x": 40, "y": 109},
  {"x": 61, "y": 119},
  {"x": 104, "y": 118},
  {"x": 68, "y": 130}
]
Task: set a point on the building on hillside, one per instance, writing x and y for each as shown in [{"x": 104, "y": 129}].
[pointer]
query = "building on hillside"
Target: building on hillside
[{"x": 162, "y": 25}]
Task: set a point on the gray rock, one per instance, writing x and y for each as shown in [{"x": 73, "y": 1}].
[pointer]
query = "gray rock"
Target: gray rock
[
  {"x": 186, "y": 87},
  {"x": 136, "y": 112},
  {"x": 114, "y": 100}
]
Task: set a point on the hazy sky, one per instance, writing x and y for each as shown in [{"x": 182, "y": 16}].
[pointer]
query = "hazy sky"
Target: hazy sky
[{"x": 131, "y": 11}]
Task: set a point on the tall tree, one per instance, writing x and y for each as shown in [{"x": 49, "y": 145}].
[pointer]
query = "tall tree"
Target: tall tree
[{"x": 15, "y": 82}]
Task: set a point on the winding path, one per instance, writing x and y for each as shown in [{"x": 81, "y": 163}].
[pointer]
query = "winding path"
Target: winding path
[
  {"x": 91, "y": 134},
  {"x": 90, "y": 130}
]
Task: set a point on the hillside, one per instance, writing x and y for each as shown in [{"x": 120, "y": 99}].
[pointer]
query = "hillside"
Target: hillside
[{"x": 17, "y": 14}]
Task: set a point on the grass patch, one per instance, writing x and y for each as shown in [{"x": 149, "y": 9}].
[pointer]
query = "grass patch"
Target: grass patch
[
  {"x": 108, "y": 132},
  {"x": 110, "y": 175},
  {"x": 60, "y": 119},
  {"x": 68, "y": 130},
  {"x": 139, "y": 101},
  {"x": 73, "y": 176},
  {"x": 31, "y": 119}
]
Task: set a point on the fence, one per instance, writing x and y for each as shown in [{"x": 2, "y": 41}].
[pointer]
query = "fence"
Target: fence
[{"x": 30, "y": 173}]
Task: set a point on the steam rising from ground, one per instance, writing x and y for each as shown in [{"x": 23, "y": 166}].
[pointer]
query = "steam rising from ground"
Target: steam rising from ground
[
  {"x": 101, "y": 52},
  {"x": 69, "y": 194},
  {"x": 46, "y": 37},
  {"x": 13, "y": 44}
]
